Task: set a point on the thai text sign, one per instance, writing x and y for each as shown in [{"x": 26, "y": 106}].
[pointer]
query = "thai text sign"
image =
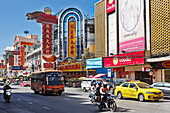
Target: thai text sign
[
  {"x": 72, "y": 39},
  {"x": 22, "y": 55},
  {"x": 110, "y": 6},
  {"x": 125, "y": 59},
  {"x": 27, "y": 43},
  {"x": 47, "y": 39}
]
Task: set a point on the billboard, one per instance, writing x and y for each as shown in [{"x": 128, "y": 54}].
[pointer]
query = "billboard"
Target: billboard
[
  {"x": 133, "y": 58},
  {"x": 27, "y": 43},
  {"x": 72, "y": 39},
  {"x": 94, "y": 63},
  {"x": 110, "y": 5},
  {"x": 131, "y": 25}
]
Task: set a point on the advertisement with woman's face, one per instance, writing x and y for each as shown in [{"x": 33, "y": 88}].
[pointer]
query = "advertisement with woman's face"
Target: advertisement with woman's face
[{"x": 131, "y": 25}]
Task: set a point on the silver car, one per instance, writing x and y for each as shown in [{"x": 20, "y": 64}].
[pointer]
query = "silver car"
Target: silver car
[{"x": 164, "y": 87}]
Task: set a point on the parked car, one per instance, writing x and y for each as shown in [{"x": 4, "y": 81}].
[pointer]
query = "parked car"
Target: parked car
[
  {"x": 138, "y": 90},
  {"x": 86, "y": 83},
  {"x": 16, "y": 83},
  {"x": 121, "y": 80},
  {"x": 24, "y": 83},
  {"x": 164, "y": 87}
]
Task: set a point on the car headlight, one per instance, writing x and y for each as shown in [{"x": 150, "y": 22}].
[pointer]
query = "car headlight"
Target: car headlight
[{"x": 148, "y": 92}]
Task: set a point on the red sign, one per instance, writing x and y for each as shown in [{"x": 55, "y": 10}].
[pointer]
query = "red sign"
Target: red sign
[
  {"x": 27, "y": 43},
  {"x": 16, "y": 52},
  {"x": 46, "y": 51},
  {"x": 3, "y": 66},
  {"x": 125, "y": 59},
  {"x": 48, "y": 19},
  {"x": 11, "y": 61},
  {"x": 111, "y": 6},
  {"x": 48, "y": 65},
  {"x": 22, "y": 55},
  {"x": 47, "y": 39}
]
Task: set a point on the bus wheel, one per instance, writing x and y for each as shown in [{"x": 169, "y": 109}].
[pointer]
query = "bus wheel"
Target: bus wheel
[
  {"x": 36, "y": 92},
  {"x": 59, "y": 93},
  {"x": 44, "y": 92}
]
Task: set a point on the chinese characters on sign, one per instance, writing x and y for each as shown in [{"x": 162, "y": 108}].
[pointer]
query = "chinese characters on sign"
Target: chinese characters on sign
[
  {"x": 72, "y": 39},
  {"x": 45, "y": 18},
  {"x": 47, "y": 39},
  {"x": 22, "y": 55}
]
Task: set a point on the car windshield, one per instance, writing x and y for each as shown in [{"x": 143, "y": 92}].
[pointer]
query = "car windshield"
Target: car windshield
[
  {"x": 144, "y": 85},
  {"x": 53, "y": 78}
]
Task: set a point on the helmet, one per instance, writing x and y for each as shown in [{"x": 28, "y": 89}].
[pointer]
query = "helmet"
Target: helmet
[
  {"x": 94, "y": 83},
  {"x": 104, "y": 84},
  {"x": 99, "y": 83}
]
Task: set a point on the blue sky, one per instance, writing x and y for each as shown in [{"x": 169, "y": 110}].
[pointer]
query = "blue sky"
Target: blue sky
[{"x": 13, "y": 20}]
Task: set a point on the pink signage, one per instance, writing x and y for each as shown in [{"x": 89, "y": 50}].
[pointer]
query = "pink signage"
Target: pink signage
[
  {"x": 132, "y": 45},
  {"x": 110, "y": 6},
  {"x": 125, "y": 59}
]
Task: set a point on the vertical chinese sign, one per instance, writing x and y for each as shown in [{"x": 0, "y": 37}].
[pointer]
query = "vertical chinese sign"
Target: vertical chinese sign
[
  {"x": 47, "y": 39},
  {"x": 72, "y": 39},
  {"x": 22, "y": 55},
  {"x": 11, "y": 60}
]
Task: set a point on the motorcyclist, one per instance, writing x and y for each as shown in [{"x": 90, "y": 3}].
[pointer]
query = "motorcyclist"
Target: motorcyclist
[
  {"x": 98, "y": 94},
  {"x": 103, "y": 91},
  {"x": 6, "y": 87},
  {"x": 93, "y": 90}
]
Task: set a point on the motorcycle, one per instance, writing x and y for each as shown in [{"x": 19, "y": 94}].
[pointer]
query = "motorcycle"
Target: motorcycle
[
  {"x": 109, "y": 103},
  {"x": 92, "y": 97},
  {"x": 7, "y": 96}
]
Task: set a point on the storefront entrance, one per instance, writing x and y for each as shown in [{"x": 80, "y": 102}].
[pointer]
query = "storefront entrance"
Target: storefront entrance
[{"x": 143, "y": 77}]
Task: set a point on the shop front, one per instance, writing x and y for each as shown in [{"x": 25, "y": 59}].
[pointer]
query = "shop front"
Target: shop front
[
  {"x": 97, "y": 65},
  {"x": 72, "y": 70},
  {"x": 130, "y": 66},
  {"x": 161, "y": 70}
]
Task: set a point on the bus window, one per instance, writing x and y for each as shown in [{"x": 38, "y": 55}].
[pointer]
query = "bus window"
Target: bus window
[{"x": 53, "y": 78}]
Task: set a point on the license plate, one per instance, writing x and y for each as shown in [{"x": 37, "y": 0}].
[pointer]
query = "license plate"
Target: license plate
[{"x": 55, "y": 90}]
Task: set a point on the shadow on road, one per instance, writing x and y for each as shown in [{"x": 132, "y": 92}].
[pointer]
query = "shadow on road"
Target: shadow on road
[{"x": 148, "y": 101}]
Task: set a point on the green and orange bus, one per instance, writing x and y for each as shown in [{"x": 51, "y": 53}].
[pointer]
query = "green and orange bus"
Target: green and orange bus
[{"x": 51, "y": 81}]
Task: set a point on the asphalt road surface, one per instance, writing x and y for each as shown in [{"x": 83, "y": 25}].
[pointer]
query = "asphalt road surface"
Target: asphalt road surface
[{"x": 73, "y": 100}]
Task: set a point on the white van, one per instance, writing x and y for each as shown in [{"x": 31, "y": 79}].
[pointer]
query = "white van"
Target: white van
[{"x": 86, "y": 83}]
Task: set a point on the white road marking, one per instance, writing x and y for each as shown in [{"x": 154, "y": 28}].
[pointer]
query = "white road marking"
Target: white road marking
[
  {"x": 29, "y": 102},
  {"x": 46, "y": 108}
]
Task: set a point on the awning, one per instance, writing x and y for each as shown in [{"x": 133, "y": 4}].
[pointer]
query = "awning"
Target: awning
[{"x": 99, "y": 75}]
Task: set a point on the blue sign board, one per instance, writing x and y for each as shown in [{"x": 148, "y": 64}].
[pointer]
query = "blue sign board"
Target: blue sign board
[
  {"x": 17, "y": 67},
  {"x": 94, "y": 63},
  {"x": 0, "y": 65}
]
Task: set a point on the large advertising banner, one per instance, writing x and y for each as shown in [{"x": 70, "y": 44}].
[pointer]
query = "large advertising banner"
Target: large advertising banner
[
  {"x": 111, "y": 6},
  {"x": 72, "y": 39},
  {"x": 131, "y": 25},
  {"x": 133, "y": 58}
]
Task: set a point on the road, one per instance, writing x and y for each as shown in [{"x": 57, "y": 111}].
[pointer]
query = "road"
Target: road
[{"x": 73, "y": 100}]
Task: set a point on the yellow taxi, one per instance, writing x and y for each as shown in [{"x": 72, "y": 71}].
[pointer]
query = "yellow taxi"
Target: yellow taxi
[{"x": 138, "y": 90}]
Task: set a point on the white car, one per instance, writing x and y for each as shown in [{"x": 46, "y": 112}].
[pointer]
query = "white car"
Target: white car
[
  {"x": 86, "y": 83},
  {"x": 164, "y": 87}
]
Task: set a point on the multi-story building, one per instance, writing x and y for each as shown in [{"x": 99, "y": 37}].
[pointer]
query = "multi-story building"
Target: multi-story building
[
  {"x": 131, "y": 31},
  {"x": 28, "y": 49}
]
